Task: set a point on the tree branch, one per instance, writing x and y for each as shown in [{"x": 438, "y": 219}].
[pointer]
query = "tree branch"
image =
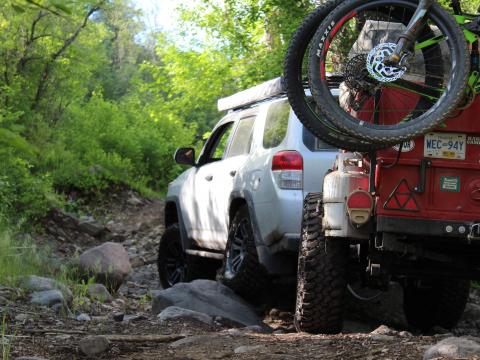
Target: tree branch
[
  {"x": 43, "y": 83},
  {"x": 31, "y": 38}
]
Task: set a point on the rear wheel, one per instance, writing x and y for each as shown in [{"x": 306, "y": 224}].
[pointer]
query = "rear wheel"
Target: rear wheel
[
  {"x": 322, "y": 274},
  {"x": 435, "y": 302},
  {"x": 381, "y": 103},
  {"x": 241, "y": 269}
]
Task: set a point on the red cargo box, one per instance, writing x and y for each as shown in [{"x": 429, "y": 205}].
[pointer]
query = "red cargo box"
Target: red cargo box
[{"x": 436, "y": 183}]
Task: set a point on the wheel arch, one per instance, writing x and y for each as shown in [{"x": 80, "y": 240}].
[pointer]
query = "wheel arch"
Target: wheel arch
[{"x": 172, "y": 215}]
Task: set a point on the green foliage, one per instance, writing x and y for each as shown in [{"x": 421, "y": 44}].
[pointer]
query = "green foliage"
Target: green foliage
[
  {"x": 5, "y": 341},
  {"x": 19, "y": 257},
  {"x": 24, "y": 195},
  {"x": 120, "y": 144}
]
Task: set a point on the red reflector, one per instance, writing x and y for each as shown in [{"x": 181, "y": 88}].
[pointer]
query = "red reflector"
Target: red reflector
[
  {"x": 359, "y": 200},
  {"x": 287, "y": 160}
]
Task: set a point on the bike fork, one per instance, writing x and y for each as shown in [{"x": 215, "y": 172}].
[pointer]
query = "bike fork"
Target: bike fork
[{"x": 406, "y": 40}]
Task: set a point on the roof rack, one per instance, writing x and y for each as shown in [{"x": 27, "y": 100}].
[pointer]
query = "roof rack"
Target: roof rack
[
  {"x": 252, "y": 95},
  {"x": 266, "y": 90}
]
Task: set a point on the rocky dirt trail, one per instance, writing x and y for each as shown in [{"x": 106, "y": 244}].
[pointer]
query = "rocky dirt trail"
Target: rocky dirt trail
[{"x": 201, "y": 320}]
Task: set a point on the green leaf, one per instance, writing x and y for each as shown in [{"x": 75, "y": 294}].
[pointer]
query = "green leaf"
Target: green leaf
[
  {"x": 61, "y": 7},
  {"x": 18, "y": 9}
]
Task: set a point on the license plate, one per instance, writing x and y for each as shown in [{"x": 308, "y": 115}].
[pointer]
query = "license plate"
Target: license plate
[{"x": 445, "y": 145}]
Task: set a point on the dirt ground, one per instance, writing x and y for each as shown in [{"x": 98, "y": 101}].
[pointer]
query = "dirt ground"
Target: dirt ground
[{"x": 138, "y": 226}]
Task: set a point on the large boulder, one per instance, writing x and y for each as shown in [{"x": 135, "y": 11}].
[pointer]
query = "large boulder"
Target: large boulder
[
  {"x": 453, "y": 348},
  {"x": 108, "y": 263},
  {"x": 208, "y": 297}
]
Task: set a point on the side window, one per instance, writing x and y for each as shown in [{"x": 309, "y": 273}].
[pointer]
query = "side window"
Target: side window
[
  {"x": 242, "y": 140},
  {"x": 276, "y": 124},
  {"x": 217, "y": 144}
]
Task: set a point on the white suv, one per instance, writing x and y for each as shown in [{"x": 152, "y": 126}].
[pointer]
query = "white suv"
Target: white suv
[{"x": 241, "y": 201}]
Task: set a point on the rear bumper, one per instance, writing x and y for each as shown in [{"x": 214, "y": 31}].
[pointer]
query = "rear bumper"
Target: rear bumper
[{"x": 424, "y": 227}]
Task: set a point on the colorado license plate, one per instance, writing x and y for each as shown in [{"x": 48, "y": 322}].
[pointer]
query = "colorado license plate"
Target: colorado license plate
[{"x": 445, "y": 145}]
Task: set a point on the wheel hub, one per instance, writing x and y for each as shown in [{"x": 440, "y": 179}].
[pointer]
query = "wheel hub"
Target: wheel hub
[
  {"x": 376, "y": 63},
  {"x": 356, "y": 76}
]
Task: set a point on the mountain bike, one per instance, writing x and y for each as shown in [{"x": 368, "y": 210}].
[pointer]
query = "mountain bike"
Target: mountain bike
[
  {"x": 295, "y": 73},
  {"x": 405, "y": 67}
]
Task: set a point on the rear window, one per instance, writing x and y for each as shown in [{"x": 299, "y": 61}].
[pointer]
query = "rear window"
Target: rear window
[
  {"x": 313, "y": 143},
  {"x": 276, "y": 124}
]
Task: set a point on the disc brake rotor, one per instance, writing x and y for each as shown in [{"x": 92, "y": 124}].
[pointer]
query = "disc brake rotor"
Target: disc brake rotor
[{"x": 376, "y": 63}]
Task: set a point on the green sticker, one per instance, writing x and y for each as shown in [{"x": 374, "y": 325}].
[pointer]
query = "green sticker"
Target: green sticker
[{"x": 450, "y": 183}]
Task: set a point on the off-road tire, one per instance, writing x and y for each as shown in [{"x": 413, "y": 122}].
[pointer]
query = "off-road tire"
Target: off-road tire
[
  {"x": 251, "y": 277},
  {"x": 403, "y": 131},
  {"x": 305, "y": 112},
  {"x": 440, "y": 302},
  {"x": 322, "y": 274},
  {"x": 169, "y": 240}
]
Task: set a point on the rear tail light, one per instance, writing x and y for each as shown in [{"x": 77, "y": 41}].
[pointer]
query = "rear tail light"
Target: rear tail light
[
  {"x": 287, "y": 168},
  {"x": 359, "y": 207}
]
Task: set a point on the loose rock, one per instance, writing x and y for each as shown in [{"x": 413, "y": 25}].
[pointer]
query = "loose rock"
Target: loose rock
[
  {"x": 381, "y": 337},
  {"x": 47, "y": 298},
  {"x": 247, "y": 349},
  {"x": 99, "y": 292},
  {"x": 108, "y": 263},
  {"x": 92, "y": 228},
  {"x": 453, "y": 348},
  {"x": 208, "y": 297},
  {"x": 384, "y": 330},
  {"x": 37, "y": 284},
  {"x": 174, "y": 312},
  {"x": 83, "y": 317},
  {"x": 471, "y": 313},
  {"x": 94, "y": 345},
  {"x": 192, "y": 340},
  {"x": 30, "y": 358}
]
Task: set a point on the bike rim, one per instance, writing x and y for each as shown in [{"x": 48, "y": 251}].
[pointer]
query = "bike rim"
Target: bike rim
[{"x": 376, "y": 97}]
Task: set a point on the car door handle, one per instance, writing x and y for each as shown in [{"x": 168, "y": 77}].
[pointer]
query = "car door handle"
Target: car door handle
[
  {"x": 209, "y": 177},
  {"x": 233, "y": 173}
]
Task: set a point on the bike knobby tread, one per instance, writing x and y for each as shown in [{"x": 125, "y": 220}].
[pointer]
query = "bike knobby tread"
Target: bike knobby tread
[
  {"x": 295, "y": 90},
  {"x": 407, "y": 130}
]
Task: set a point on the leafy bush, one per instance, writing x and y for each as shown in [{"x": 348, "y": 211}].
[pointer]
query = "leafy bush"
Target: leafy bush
[
  {"x": 24, "y": 196},
  {"x": 102, "y": 142}
]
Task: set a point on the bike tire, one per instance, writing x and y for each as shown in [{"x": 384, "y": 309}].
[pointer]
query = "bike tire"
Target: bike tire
[
  {"x": 390, "y": 134},
  {"x": 312, "y": 120}
]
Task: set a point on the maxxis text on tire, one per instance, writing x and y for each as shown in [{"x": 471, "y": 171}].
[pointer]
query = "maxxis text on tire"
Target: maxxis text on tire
[
  {"x": 405, "y": 130},
  {"x": 305, "y": 112}
]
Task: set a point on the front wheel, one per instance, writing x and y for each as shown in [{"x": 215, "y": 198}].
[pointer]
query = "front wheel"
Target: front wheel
[
  {"x": 171, "y": 261},
  {"x": 382, "y": 103}
]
